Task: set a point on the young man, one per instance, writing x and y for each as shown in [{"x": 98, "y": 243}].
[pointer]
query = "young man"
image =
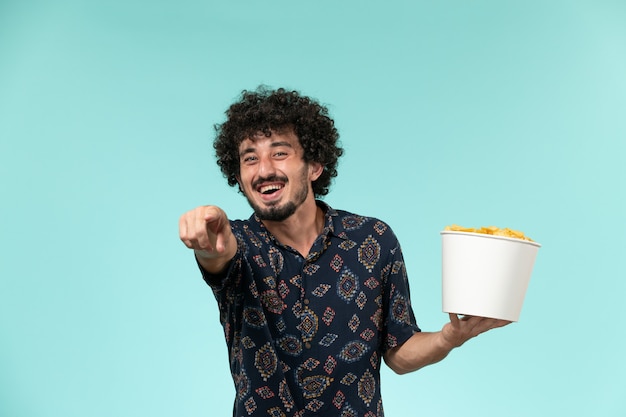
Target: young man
[{"x": 311, "y": 298}]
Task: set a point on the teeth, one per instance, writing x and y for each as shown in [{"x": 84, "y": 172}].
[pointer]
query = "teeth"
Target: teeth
[{"x": 269, "y": 188}]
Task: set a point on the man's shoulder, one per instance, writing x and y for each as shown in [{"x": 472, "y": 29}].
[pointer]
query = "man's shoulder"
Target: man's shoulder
[
  {"x": 251, "y": 222},
  {"x": 341, "y": 214},
  {"x": 351, "y": 222},
  {"x": 344, "y": 215},
  {"x": 248, "y": 230}
]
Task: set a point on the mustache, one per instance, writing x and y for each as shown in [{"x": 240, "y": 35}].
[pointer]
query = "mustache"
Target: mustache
[{"x": 271, "y": 178}]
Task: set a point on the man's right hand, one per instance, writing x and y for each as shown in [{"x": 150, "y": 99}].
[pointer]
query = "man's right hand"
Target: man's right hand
[{"x": 207, "y": 231}]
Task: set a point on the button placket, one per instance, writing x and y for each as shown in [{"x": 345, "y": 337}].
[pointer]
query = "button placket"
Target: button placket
[{"x": 309, "y": 321}]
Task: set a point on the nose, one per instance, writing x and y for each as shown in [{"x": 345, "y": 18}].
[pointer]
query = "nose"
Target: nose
[{"x": 266, "y": 167}]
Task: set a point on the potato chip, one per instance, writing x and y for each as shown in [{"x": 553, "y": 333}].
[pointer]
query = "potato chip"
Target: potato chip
[{"x": 490, "y": 230}]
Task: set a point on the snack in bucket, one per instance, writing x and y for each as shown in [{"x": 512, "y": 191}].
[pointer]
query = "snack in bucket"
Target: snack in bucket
[{"x": 490, "y": 230}]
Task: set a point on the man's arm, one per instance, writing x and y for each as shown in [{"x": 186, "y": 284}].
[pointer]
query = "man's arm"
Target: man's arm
[
  {"x": 424, "y": 349},
  {"x": 207, "y": 231}
]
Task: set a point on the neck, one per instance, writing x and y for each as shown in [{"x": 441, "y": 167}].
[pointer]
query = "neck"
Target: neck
[{"x": 301, "y": 228}]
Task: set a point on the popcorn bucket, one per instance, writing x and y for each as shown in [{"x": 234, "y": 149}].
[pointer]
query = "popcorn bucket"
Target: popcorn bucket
[{"x": 485, "y": 275}]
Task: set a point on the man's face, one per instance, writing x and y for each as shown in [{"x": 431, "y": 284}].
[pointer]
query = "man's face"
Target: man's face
[{"x": 273, "y": 175}]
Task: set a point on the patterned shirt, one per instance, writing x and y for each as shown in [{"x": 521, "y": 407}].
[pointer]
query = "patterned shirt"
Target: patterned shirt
[{"x": 306, "y": 335}]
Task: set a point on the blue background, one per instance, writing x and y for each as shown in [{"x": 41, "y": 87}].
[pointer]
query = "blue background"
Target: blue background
[{"x": 487, "y": 112}]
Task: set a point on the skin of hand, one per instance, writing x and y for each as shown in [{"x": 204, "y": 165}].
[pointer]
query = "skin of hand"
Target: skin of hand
[
  {"x": 207, "y": 231},
  {"x": 460, "y": 330},
  {"x": 425, "y": 348}
]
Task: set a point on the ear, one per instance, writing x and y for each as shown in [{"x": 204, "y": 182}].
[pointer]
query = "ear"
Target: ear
[
  {"x": 315, "y": 170},
  {"x": 238, "y": 178}
]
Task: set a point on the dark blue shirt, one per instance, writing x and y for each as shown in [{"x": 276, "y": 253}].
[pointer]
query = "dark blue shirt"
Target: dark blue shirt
[{"x": 306, "y": 335}]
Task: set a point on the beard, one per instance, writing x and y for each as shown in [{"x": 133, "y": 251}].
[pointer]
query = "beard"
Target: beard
[{"x": 278, "y": 213}]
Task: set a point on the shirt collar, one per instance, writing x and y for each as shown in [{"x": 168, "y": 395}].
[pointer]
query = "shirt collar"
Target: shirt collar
[{"x": 332, "y": 225}]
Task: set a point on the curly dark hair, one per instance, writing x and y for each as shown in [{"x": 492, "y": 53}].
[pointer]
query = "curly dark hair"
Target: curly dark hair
[{"x": 266, "y": 110}]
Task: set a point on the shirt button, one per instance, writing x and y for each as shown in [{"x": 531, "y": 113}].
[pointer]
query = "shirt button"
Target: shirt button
[
  {"x": 306, "y": 301},
  {"x": 307, "y": 345}
]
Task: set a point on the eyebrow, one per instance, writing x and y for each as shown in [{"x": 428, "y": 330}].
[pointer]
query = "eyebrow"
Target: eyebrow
[{"x": 273, "y": 145}]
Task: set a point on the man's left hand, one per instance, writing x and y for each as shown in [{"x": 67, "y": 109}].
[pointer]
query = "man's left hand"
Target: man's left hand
[{"x": 460, "y": 330}]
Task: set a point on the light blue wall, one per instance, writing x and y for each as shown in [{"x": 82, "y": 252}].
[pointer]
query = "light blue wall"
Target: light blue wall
[{"x": 487, "y": 112}]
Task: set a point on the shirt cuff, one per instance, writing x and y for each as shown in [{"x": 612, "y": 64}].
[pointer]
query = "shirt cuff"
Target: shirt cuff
[{"x": 216, "y": 281}]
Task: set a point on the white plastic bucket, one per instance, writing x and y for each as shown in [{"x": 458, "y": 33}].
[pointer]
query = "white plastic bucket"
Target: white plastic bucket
[{"x": 485, "y": 275}]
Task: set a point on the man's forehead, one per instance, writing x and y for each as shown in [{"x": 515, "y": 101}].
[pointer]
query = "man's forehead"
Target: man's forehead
[{"x": 281, "y": 137}]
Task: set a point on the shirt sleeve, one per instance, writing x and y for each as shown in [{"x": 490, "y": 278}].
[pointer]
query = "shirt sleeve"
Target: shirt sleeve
[
  {"x": 399, "y": 319},
  {"x": 220, "y": 280}
]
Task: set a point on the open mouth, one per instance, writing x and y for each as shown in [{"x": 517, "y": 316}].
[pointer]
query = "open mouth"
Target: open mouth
[{"x": 270, "y": 189}]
